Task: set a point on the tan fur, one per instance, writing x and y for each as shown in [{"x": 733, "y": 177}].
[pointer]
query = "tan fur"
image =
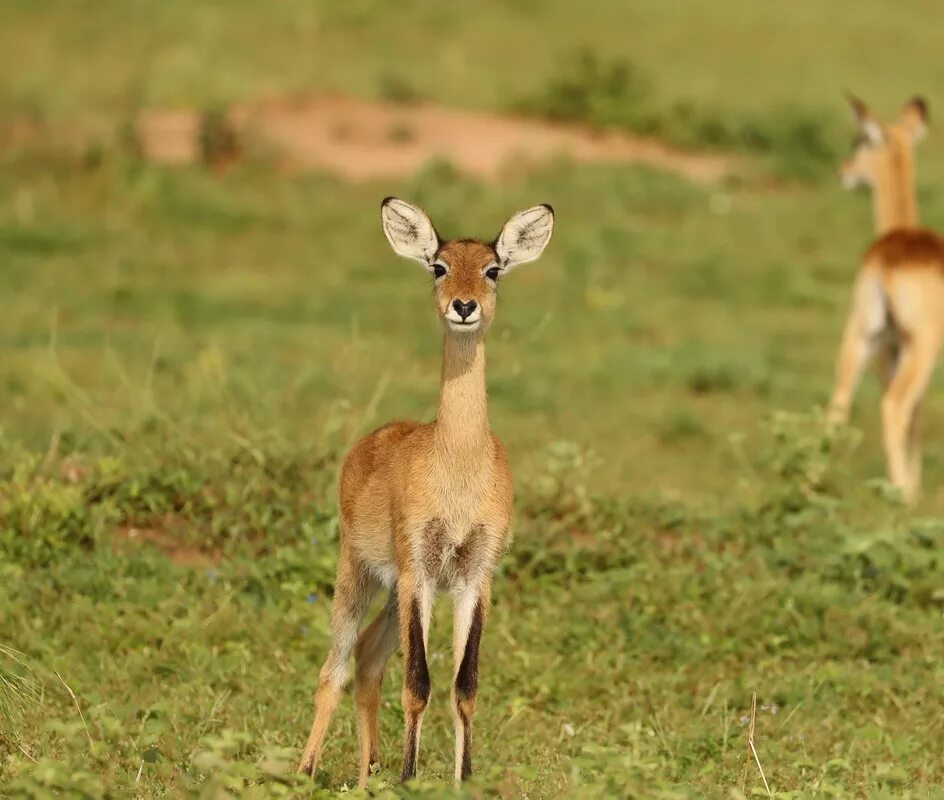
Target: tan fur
[
  {"x": 897, "y": 311},
  {"x": 423, "y": 507},
  {"x": 883, "y": 158}
]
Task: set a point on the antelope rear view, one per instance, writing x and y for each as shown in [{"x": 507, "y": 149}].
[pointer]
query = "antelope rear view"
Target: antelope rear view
[
  {"x": 897, "y": 313},
  {"x": 426, "y": 507}
]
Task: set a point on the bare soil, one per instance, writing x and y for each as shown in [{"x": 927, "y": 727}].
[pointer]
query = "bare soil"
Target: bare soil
[
  {"x": 362, "y": 140},
  {"x": 181, "y": 554}
]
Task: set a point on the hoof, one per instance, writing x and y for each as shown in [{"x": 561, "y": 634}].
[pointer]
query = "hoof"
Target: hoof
[{"x": 306, "y": 766}]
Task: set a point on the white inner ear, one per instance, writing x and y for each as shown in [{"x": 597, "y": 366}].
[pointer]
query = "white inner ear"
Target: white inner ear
[
  {"x": 873, "y": 131},
  {"x": 409, "y": 231},
  {"x": 524, "y": 237}
]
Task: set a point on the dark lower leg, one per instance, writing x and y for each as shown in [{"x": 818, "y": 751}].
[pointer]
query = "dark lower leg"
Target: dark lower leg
[
  {"x": 465, "y": 688},
  {"x": 416, "y": 686}
]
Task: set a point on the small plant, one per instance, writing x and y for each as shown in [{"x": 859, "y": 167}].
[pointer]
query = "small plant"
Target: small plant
[
  {"x": 804, "y": 456},
  {"x": 219, "y": 143},
  {"x": 397, "y": 89},
  {"x": 680, "y": 425},
  {"x": 587, "y": 89},
  {"x": 401, "y": 133}
]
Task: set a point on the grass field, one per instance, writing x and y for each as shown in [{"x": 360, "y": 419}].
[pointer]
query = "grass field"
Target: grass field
[{"x": 187, "y": 356}]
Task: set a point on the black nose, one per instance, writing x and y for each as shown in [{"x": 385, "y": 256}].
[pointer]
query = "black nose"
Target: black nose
[{"x": 464, "y": 309}]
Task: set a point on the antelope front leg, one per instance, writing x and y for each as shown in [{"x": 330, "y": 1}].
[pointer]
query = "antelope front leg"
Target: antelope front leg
[
  {"x": 415, "y": 606},
  {"x": 471, "y": 606},
  {"x": 854, "y": 353},
  {"x": 864, "y": 326}
]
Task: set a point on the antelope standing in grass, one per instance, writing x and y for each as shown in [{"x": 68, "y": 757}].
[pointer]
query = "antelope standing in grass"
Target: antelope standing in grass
[
  {"x": 425, "y": 507},
  {"x": 897, "y": 310}
]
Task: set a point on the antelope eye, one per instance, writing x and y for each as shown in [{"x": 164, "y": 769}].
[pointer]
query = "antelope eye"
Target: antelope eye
[
  {"x": 492, "y": 274},
  {"x": 438, "y": 270}
]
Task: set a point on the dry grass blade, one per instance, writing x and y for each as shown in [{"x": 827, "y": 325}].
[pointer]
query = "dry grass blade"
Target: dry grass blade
[
  {"x": 27, "y": 753},
  {"x": 16, "y": 689},
  {"x": 750, "y": 742},
  {"x": 77, "y": 708}
]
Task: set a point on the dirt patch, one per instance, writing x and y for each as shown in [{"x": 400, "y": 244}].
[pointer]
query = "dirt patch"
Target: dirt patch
[
  {"x": 17, "y": 133},
  {"x": 363, "y": 140},
  {"x": 170, "y": 136},
  {"x": 164, "y": 540}
]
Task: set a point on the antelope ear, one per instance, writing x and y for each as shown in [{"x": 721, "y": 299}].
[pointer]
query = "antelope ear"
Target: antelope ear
[
  {"x": 524, "y": 237},
  {"x": 869, "y": 125},
  {"x": 409, "y": 231},
  {"x": 914, "y": 118}
]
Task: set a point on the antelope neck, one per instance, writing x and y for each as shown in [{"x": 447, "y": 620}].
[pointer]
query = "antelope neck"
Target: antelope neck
[
  {"x": 462, "y": 429},
  {"x": 894, "y": 195}
]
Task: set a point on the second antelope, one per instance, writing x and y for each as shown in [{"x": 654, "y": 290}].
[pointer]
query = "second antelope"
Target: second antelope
[
  {"x": 428, "y": 506},
  {"x": 897, "y": 313}
]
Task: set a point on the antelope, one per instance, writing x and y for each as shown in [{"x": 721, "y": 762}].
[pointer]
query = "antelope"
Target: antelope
[
  {"x": 426, "y": 507},
  {"x": 897, "y": 313}
]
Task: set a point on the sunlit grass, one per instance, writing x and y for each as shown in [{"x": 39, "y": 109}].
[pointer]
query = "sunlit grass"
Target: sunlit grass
[{"x": 187, "y": 356}]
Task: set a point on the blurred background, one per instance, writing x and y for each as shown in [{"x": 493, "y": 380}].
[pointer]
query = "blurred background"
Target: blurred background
[{"x": 199, "y": 314}]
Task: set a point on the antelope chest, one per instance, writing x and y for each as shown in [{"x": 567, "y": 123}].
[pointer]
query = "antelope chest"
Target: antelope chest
[{"x": 452, "y": 553}]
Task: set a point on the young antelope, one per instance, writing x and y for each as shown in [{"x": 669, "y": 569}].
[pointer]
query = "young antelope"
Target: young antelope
[
  {"x": 426, "y": 507},
  {"x": 897, "y": 313}
]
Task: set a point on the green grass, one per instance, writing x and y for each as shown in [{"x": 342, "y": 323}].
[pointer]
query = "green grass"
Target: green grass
[
  {"x": 170, "y": 52},
  {"x": 190, "y": 355},
  {"x": 737, "y": 76}
]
